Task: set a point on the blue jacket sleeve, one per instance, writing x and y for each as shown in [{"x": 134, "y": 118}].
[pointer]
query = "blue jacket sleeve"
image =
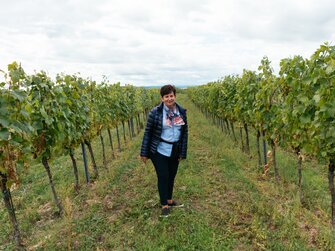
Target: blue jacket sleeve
[
  {"x": 146, "y": 142},
  {"x": 184, "y": 139}
]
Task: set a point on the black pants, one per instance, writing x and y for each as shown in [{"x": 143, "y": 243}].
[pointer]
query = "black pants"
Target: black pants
[{"x": 166, "y": 170}]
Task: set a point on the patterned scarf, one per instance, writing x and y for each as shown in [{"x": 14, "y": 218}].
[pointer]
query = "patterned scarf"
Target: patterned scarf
[{"x": 173, "y": 118}]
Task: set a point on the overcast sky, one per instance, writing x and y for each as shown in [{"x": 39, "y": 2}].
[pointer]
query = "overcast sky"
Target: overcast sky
[{"x": 157, "y": 42}]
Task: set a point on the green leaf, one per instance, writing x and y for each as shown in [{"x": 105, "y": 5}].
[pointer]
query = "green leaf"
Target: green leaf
[
  {"x": 24, "y": 113},
  {"x": 49, "y": 121},
  {"x": 304, "y": 99},
  {"x": 330, "y": 69},
  {"x": 43, "y": 112},
  {"x": 331, "y": 132},
  {"x": 2, "y": 170},
  {"x": 20, "y": 95},
  {"x": 3, "y": 111},
  {"x": 20, "y": 163},
  {"x": 4, "y": 122},
  {"x": 28, "y": 108},
  {"x": 38, "y": 125},
  {"x": 4, "y": 134},
  {"x": 9, "y": 183},
  {"x": 305, "y": 119},
  {"x": 317, "y": 98},
  {"x": 16, "y": 126},
  {"x": 331, "y": 112}
]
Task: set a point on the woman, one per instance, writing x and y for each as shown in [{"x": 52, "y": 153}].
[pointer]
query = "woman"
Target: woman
[{"x": 165, "y": 143}]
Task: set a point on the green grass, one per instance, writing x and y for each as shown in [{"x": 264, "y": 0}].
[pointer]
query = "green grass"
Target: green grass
[{"x": 229, "y": 205}]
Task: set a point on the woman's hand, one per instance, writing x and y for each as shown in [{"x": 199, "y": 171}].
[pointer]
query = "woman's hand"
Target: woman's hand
[{"x": 144, "y": 159}]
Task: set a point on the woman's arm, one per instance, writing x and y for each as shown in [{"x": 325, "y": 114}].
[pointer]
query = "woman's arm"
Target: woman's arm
[
  {"x": 145, "y": 148},
  {"x": 184, "y": 139}
]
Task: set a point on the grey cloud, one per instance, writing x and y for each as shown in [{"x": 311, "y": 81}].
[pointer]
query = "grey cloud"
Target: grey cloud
[
  {"x": 282, "y": 21},
  {"x": 150, "y": 42}
]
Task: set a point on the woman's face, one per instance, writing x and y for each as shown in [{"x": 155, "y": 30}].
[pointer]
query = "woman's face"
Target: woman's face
[{"x": 169, "y": 100}]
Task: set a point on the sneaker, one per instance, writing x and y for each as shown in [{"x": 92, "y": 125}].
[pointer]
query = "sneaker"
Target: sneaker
[
  {"x": 165, "y": 212},
  {"x": 175, "y": 204}
]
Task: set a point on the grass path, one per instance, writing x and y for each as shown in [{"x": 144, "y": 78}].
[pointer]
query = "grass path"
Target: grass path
[{"x": 228, "y": 205}]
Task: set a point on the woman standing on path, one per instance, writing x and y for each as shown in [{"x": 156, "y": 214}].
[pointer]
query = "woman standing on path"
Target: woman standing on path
[{"x": 165, "y": 143}]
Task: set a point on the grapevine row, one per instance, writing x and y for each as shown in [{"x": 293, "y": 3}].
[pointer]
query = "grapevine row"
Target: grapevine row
[
  {"x": 294, "y": 110},
  {"x": 43, "y": 118}
]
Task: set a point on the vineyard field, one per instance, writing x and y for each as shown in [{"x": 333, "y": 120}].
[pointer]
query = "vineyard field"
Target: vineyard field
[{"x": 229, "y": 203}]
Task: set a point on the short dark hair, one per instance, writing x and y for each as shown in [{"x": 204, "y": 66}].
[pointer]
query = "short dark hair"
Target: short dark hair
[{"x": 167, "y": 89}]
